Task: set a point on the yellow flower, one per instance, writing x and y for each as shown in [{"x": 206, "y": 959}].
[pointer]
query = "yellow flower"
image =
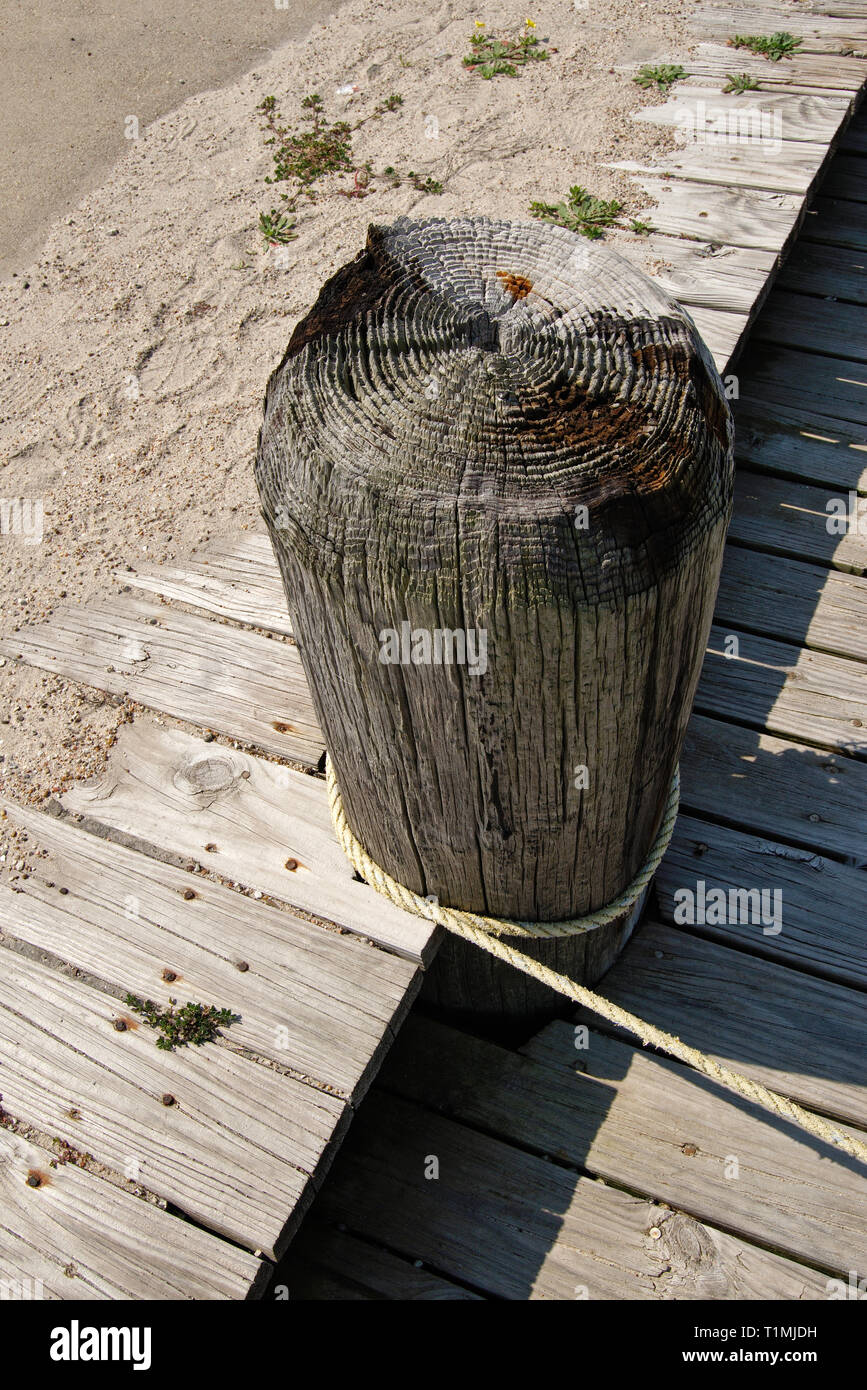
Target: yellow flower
[
  {"x": 530, "y": 23},
  {"x": 480, "y": 24}
]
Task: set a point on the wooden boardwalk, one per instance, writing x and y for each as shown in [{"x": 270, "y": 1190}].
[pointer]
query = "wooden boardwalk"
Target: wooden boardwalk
[
  {"x": 202, "y": 866},
  {"x": 603, "y": 1170}
]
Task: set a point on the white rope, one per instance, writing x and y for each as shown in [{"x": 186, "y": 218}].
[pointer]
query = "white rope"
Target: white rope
[{"x": 487, "y": 933}]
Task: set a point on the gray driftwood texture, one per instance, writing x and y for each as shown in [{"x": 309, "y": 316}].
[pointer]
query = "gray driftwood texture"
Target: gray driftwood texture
[{"x": 506, "y": 431}]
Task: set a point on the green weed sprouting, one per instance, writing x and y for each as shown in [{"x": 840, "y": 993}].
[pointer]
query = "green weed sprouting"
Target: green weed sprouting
[
  {"x": 580, "y": 213},
  {"x": 663, "y": 76},
  {"x": 770, "y": 46},
  {"x": 492, "y": 57},
  {"x": 738, "y": 82},
  {"x": 192, "y": 1023},
  {"x": 301, "y": 158},
  {"x": 276, "y": 228},
  {"x": 588, "y": 215}
]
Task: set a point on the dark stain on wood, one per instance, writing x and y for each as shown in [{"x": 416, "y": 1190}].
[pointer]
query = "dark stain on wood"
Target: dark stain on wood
[{"x": 354, "y": 290}]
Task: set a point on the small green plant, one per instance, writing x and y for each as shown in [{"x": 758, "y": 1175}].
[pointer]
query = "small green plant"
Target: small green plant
[
  {"x": 419, "y": 181},
  {"x": 740, "y": 82},
  {"x": 301, "y": 158},
  {"x": 663, "y": 76},
  {"x": 192, "y": 1023},
  {"x": 276, "y": 228},
  {"x": 640, "y": 228},
  {"x": 492, "y": 57},
  {"x": 770, "y": 46},
  {"x": 580, "y": 213},
  {"x": 424, "y": 185},
  {"x": 305, "y": 156}
]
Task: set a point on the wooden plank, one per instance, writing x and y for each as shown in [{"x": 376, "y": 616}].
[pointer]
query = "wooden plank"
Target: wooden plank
[
  {"x": 238, "y": 581},
  {"x": 849, "y": 9},
  {"x": 752, "y": 120},
  {"x": 76, "y": 1236},
  {"x": 748, "y": 165},
  {"x": 795, "y": 443},
  {"x": 791, "y": 518},
  {"x": 831, "y": 271},
  {"x": 729, "y": 278},
  {"x": 734, "y": 217},
  {"x": 837, "y": 222},
  {"x": 509, "y": 1224},
  {"x": 786, "y": 689},
  {"x": 828, "y": 72},
  {"x": 222, "y": 678},
  {"x": 800, "y": 1035},
  {"x": 822, "y": 609},
  {"x": 814, "y": 325},
  {"x": 237, "y": 1151},
  {"x": 632, "y": 1120},
  {"x": 721, "y": 332},
  {"x": 818, "y": 32},
  {"x": 713, "y": 86},
  {"x": 774, "y": 787},
  {"x": 180, "y": 795},
  {"x": 325, "y": 1263},
  {"x": 822, "y": 901},
  {"x": 319, "y": 1002},
  {"x": 807, "y": 381},
  {"x": 847, "y": 178}
]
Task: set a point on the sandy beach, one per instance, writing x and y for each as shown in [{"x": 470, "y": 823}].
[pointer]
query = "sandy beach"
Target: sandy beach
[
  {"x": 135, "y": 348},
  {"x": 73, "y": 73}
]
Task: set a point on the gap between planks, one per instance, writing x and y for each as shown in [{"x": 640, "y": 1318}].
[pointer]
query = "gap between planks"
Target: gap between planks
[
  {"x": 647, "y": 1124},
  {"x": 319, "y": 1003},
  {"x": 77, "y": 1236},
  {"x": 508, "y": 1224}
]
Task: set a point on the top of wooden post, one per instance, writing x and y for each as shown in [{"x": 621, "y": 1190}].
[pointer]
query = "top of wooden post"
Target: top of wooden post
[{"x": 505, "y": 374}]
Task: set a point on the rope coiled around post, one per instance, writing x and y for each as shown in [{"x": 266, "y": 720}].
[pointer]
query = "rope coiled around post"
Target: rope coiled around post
[{"x": 487, "y": 933}]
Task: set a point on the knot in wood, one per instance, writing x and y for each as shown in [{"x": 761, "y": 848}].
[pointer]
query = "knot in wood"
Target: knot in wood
[{"x": 204, "y": 775}]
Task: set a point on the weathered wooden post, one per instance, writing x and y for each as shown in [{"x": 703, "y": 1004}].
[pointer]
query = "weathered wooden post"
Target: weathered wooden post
[{"x": 496, "y": 468}]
